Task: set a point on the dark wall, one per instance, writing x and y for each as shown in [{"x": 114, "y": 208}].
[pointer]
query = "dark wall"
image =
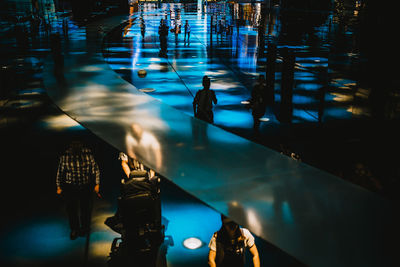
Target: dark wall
[{"x": 307, "y": 4}]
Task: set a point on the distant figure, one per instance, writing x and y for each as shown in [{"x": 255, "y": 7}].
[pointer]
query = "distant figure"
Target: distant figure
[
  {"x": 220, "y": 29},
  {"x": 257, "y": 102},
  {"x": 203, "y": 102},
  {"x": 163, "y": 34},
  {"x": 142, "y": 27},
  {"x": 228, "y": 245},
  {"x": 177, "y": 30},
  {"x": 187, "y": 32},
  {"x": 77, "y": 176}
]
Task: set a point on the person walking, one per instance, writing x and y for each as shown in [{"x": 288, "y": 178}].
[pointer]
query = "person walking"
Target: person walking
[
  {"x": 177, "y": 30},
  {"x": 163, "y": 35},
  {"x": 78, "y": 176},
  {"x": 142, "y": 27},
  {"x": 203, "y": 102},
  {"x": 187, "y": 32},
  {"x": 257, "y": 102}
]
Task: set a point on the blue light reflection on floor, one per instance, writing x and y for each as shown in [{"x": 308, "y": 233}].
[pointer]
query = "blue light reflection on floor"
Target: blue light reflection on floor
[
  {"x": 37, "y": 240},
  {"x": 233, "y": 118},
  {"x": 189, "y": 220}
]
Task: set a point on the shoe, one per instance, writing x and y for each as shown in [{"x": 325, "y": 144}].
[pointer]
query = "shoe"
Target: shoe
[{"x": 73, "y": 235}]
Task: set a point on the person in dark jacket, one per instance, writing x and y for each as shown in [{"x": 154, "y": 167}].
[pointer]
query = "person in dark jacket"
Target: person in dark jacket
[
  {"x": 203, "y": 102},
  {"x": 257, "y": 102}
]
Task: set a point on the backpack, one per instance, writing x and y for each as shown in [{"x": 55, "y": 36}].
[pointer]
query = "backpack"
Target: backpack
[
  {"x": 205, "y": 100},
  {"x": 232, "y": 255}
]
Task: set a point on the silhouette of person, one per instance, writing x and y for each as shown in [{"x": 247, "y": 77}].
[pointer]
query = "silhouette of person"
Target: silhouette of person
[
  {"x": 163, "y": 34},
  {"x": 77, "y": 176},
  {"x": 142, "y": 27},
  {"x": 203, "y": 102},
  {"x": 187, "y": 32},
  {"x": 257, "y": 102},
  {"x": 228, "y": 245}
]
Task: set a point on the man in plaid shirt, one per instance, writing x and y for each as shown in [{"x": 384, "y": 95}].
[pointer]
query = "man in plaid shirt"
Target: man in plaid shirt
[{"x": 77, "y": 175}]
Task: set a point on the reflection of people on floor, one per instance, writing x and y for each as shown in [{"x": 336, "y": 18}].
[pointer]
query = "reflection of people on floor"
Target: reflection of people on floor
[
  {"x": 77, "y": 176},
  {"x": 203, "y": 102},
  {"x": 228, "y": 246},
  {"x": 168, "y": 242},
  {"x": 144, "y": 143},
  {"x": 257, "y": 102},
  {"x": 199, "y": 133}
]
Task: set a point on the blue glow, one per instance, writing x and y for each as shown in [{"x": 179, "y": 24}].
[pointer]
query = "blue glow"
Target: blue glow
[
  {"x": 337, "y": 113},
  {"x": 303, "y": 115},
  {"x": 118, "y": 60},
  {"x": 229, "y": 99},
  {"x": 119, "y": 66},
  {"x": 37, "y": 240},
  {"x": 189, "y": 220},
  {"x": 233, "y": 118},
  {"x": 314, "y": 65},
  {"x": 300, "y": 99},
  {"x": 175, "y": 100},
  {"x": 118, "y": 49},
  {"x": 315, "y": 59},
  {"x": 308, "y": 86},
  {"x": 305, "y": 78},
  {"x": 287, "y": 213}
]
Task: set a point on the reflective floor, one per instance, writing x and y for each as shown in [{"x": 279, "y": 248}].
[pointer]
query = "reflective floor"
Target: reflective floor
[
  {"x": 34, "y": 225},
  {"x": 332, "y": 115},
  {"x": 33, "y": 133},
  {"x": 34, "y": 229}
]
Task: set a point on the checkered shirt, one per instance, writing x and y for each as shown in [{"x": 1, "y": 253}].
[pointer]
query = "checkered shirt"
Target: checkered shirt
[{"x": 77, "y": 169}]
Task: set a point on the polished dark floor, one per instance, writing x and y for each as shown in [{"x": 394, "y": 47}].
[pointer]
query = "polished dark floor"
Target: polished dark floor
[
  {"x": 34, "y": 230},
  {"x": 34, "y": 227}
]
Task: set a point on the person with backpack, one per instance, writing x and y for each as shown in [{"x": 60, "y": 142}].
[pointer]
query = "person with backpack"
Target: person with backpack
[
  {"x": 228, "y": 246},
  {"x": 203, "y": 102}
]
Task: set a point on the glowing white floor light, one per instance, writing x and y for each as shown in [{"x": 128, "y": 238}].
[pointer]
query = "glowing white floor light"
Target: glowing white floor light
[{"x": 192, "y": 243}]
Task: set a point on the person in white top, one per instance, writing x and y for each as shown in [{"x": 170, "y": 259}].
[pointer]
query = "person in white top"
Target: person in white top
[{"x": 228, "y": 245}]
